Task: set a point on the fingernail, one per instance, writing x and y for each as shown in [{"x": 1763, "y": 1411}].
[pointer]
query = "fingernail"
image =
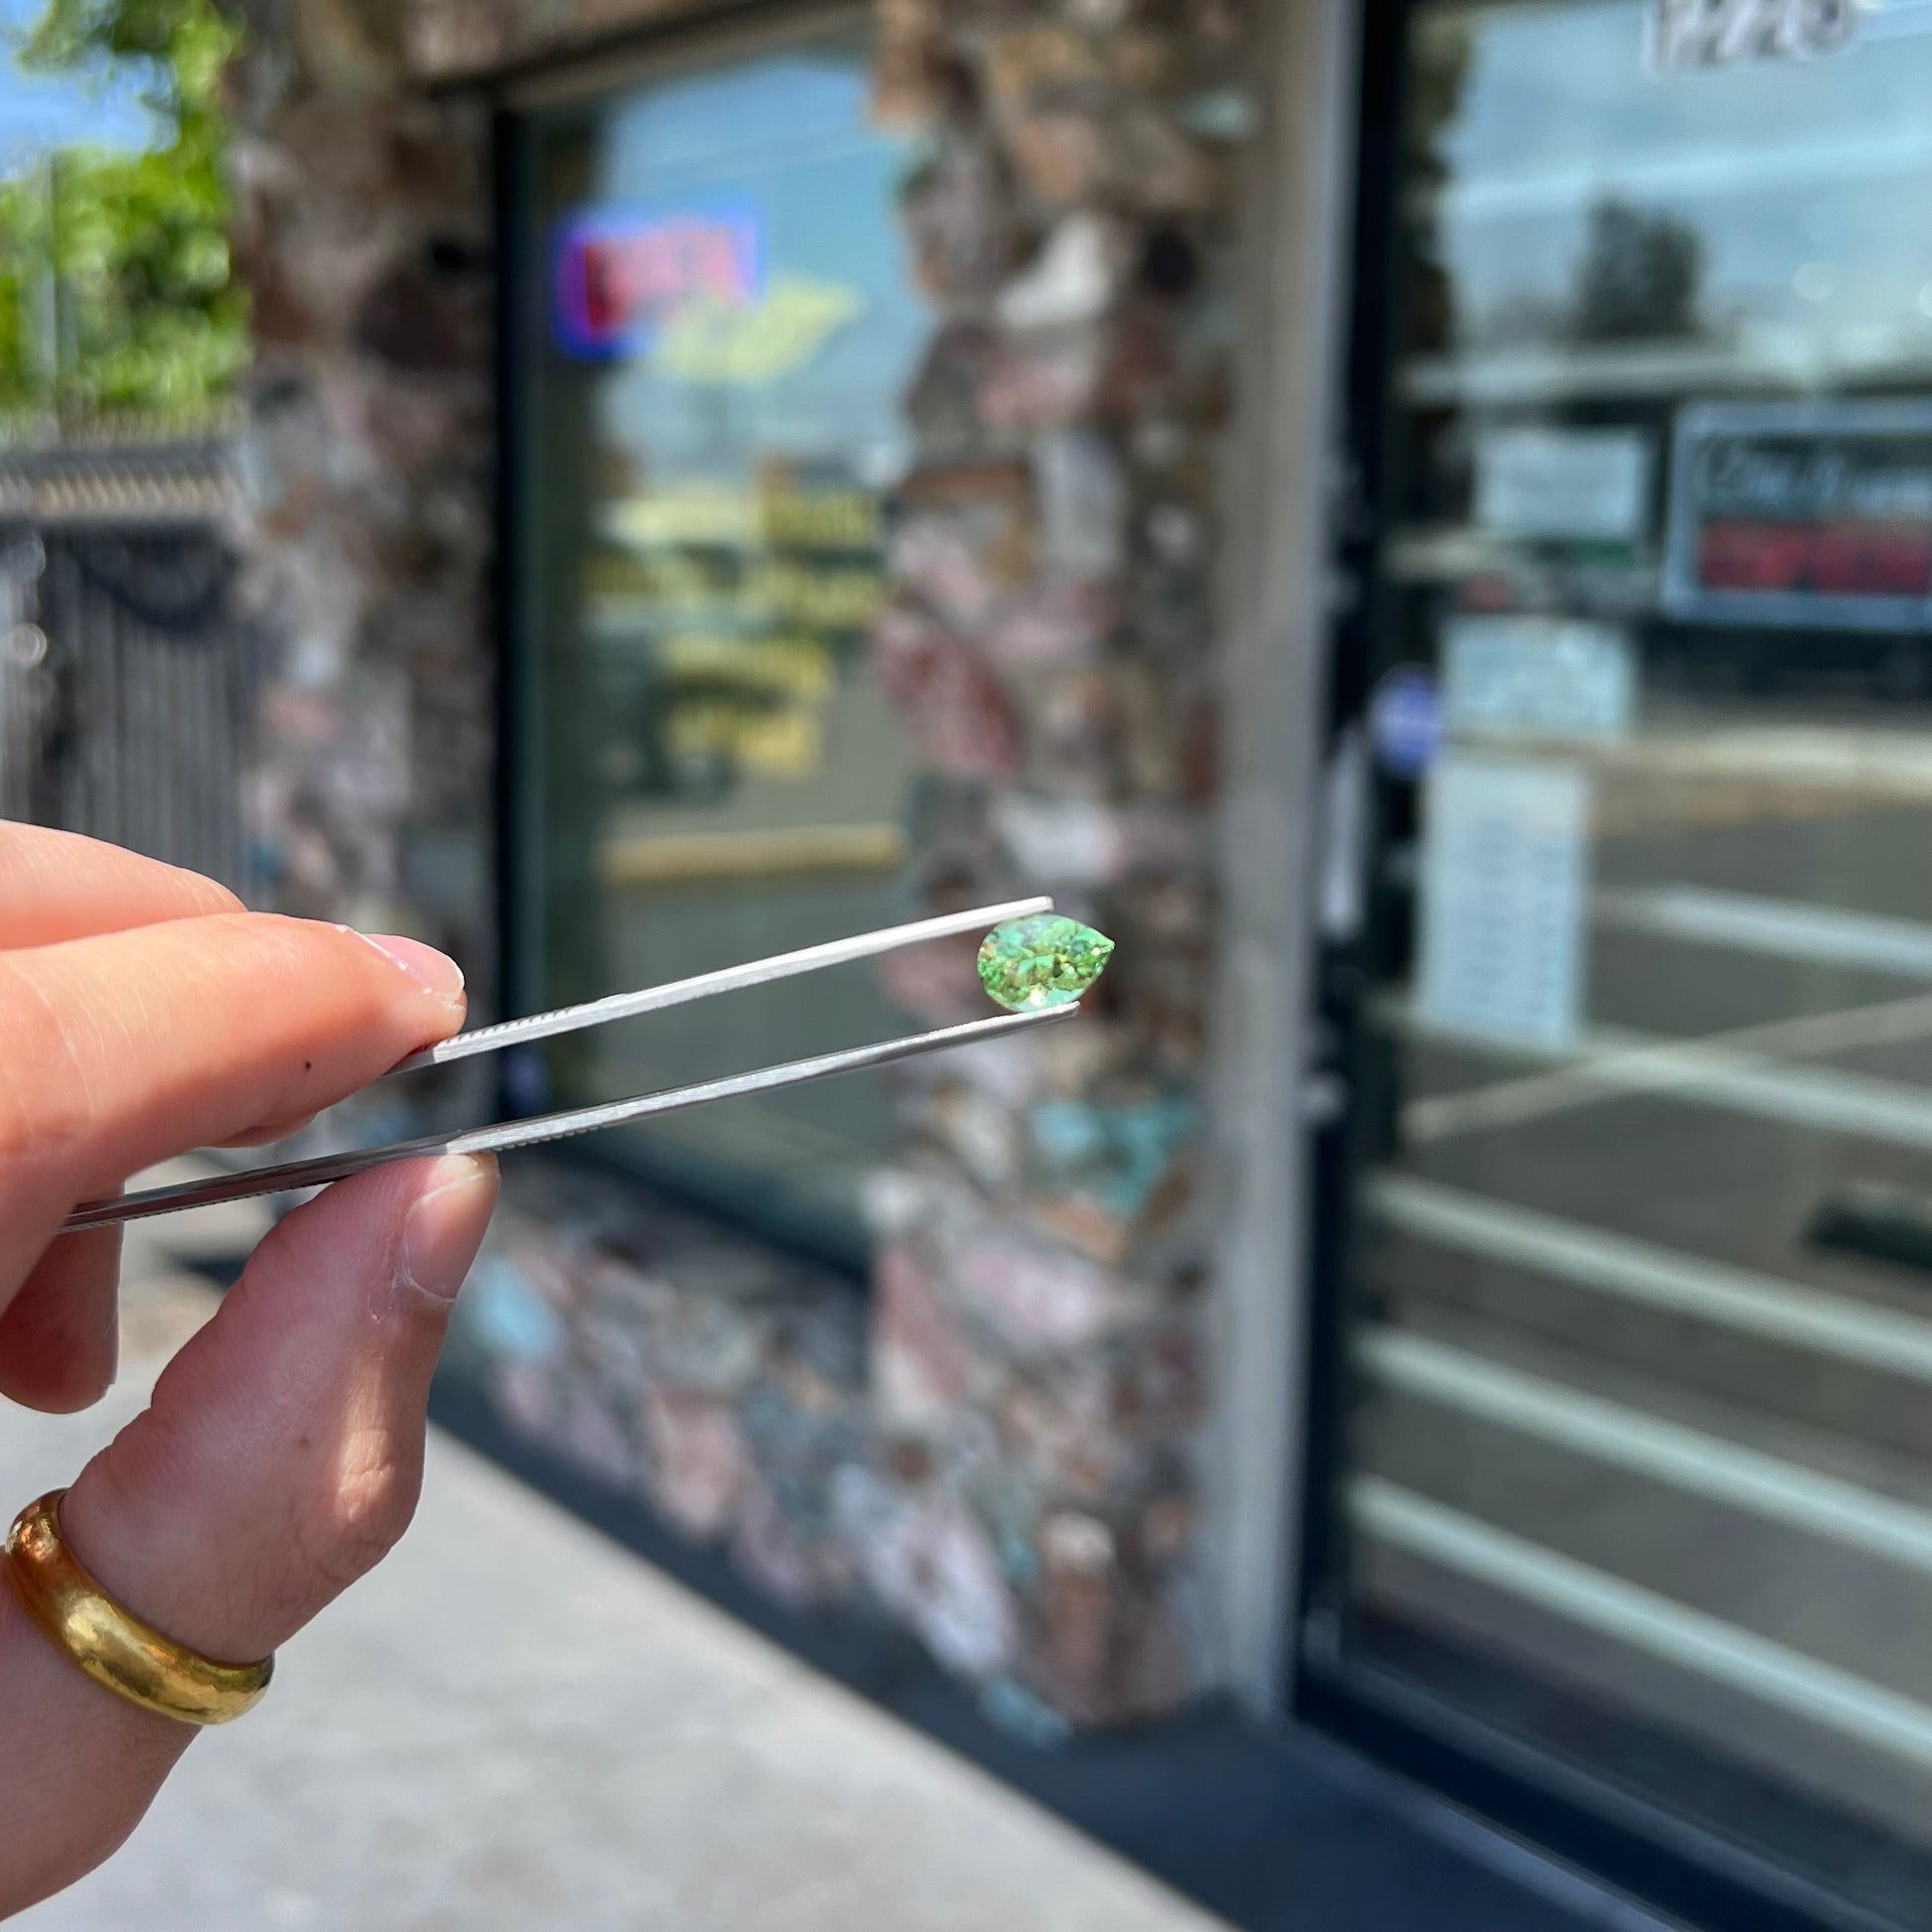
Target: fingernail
[
  {"x": 445, "y": 1227},
  {"x": 434, "y": 971}
]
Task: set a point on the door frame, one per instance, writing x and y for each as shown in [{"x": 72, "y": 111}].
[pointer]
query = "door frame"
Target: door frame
[{"x": 1566, "y": 1810}]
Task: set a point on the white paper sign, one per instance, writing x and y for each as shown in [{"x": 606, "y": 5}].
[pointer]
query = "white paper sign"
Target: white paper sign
[
  {"x": 1504, "y": 875},
  {"x": 1587, "y": 483},
  {"x": 1538, "y": 677}
]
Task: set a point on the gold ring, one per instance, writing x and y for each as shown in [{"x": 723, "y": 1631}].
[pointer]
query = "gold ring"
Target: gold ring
[{"x": 108, "y": 1641}]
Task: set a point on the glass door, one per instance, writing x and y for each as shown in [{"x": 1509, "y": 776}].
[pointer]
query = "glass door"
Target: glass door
[{"x": 1626, "y": 1503}]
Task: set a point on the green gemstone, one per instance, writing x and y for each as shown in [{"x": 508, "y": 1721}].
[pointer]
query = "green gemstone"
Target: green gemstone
[{"x": 1041, "y": 961}]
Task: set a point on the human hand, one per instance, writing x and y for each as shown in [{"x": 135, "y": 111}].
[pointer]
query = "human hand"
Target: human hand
[{"x": 144, "y": 1012}]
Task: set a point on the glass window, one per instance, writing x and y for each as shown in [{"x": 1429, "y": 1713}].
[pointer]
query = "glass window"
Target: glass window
[
  {"x": 717, "y": 328},
  {"x": 1637, "y": 1459}
]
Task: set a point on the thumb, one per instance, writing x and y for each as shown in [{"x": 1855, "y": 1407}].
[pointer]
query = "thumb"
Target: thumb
[
  {"x": 282, "y": 1451},
  {"x": 280, "y": 1458}
]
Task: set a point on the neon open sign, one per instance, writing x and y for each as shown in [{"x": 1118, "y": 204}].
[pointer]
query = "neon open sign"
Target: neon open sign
[{"x": 619, "y": 274}]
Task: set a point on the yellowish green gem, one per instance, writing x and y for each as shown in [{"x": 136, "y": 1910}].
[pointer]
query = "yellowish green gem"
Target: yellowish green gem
[{"x": 1041, "y": 961}]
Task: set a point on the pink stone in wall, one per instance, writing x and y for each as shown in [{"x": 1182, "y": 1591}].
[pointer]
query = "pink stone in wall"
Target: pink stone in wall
[
  {"x": 963, "y": 534},
  {"x": 1167, "y": 1529},
  {"x": 1045, "y": 381},
  {"x": 1078, "y": 730},
  {"x": 1043, "y": 1297},
  {"x": 1163, "y": 169},
  {"x": 450, "y": 36},
  {"x": 942, "y": 401},
  {"x": 1084, "y": 1224},
  {"x": 592, "y": 1439},
  {"x": 525, "y": 1396},
  {"x": 920, "y": 1361},
  {"x": 1056, "y": 622},
  {"x": 697, "y": 1459},
  {"x": 1077, "y": 1453},
  {"x": 935, "y": 1564},
  {"x": 1111, "y": 1646},
  {"x": 1069, "y": 841},
  {"x": 1064, "y": 841},
  {"x": 771, "y": 1553},
  {"x": 1060, "y": 153},
  {"x": 959, "y": 221},
  {"x": 303, "y": 717},
  {"x": 1153, "y": 1675},
  {"x": 949, "y": 567},
  {"x": 1162, "y": 1388},
  {"x": 977, "y": 1129},
  {"x": 953, "y": 703},
  {"x": 1081, "y": 1600}
]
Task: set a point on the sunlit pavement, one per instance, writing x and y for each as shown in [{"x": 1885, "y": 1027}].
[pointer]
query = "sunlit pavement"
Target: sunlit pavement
[{"x": 515, "y": 1724}]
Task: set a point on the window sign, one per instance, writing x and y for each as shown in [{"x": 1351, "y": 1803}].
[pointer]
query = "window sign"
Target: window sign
[
  {"x": 1802, "y": 513},
  {"x": 620, "y": 273},
  {"x": 1505, "y": 862},
  {"x": 1589, "y": 484},
  {"x": 1539, "y": 677}
]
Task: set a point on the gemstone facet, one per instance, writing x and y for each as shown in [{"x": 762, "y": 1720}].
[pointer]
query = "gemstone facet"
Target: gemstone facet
[{"x": 1041, "y": 961}]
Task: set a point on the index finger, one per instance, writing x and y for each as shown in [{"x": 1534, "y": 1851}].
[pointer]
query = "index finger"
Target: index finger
[
  {"x": 131, "y": 1047},
  {"x": 58, "y": 885}
]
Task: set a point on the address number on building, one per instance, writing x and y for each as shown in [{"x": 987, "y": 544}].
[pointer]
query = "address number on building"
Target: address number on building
[{"x": 1686, "y": 36}]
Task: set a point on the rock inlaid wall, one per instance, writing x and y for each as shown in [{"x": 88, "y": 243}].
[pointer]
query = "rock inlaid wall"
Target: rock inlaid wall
[
  {"x": 364, "y": 231},
  {"x": 1038, "y": 1355},
  {"x": 994, "y": 1448}
]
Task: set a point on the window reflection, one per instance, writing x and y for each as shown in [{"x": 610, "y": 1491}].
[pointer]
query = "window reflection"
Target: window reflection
[
  {"x": 1769, "y": 211},
  {"x": 720, "y": 327},
  {"x": 1638, "y": 1466}
]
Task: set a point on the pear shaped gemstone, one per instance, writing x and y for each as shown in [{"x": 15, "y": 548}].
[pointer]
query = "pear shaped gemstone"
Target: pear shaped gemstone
[{"x": 1041, "y": 961}]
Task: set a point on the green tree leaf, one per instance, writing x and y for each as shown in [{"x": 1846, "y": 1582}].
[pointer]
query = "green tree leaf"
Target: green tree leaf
[{"x": 115, "y": 287}]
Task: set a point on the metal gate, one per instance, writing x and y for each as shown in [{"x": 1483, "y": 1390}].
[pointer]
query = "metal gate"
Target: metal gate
[{"x": 123, "y": 701}]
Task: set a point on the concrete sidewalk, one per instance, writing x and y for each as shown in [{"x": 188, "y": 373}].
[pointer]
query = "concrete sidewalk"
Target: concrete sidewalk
[{"x": 513, "y": 1723}]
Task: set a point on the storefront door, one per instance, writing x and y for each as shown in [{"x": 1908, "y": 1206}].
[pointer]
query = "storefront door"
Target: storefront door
[{"x": 1623, "y": 1520}]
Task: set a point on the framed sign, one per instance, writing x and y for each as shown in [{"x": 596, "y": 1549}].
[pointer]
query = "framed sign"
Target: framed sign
[
  {"x": 1804, "y": 514},
  {"x": 1539, "y": 677},
  {"x": 1591, "y": 485}
]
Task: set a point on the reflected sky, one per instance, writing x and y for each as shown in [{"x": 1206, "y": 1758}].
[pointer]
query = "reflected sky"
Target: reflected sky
[
  {"x": 1807, "y": 182},
  {"x": 38, "y": 111},
  {"x": 789, "y": 135}
]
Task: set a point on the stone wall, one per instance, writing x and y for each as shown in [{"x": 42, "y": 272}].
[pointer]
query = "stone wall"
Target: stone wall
[
  {"x": 364, "y": 229},
  {"x": 995, "y": 1447},
  {"x": 1038, "y": 1365}
]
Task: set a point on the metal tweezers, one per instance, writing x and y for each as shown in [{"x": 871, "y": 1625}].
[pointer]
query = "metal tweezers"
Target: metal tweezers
[{"x": 509, "y": 1135}]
